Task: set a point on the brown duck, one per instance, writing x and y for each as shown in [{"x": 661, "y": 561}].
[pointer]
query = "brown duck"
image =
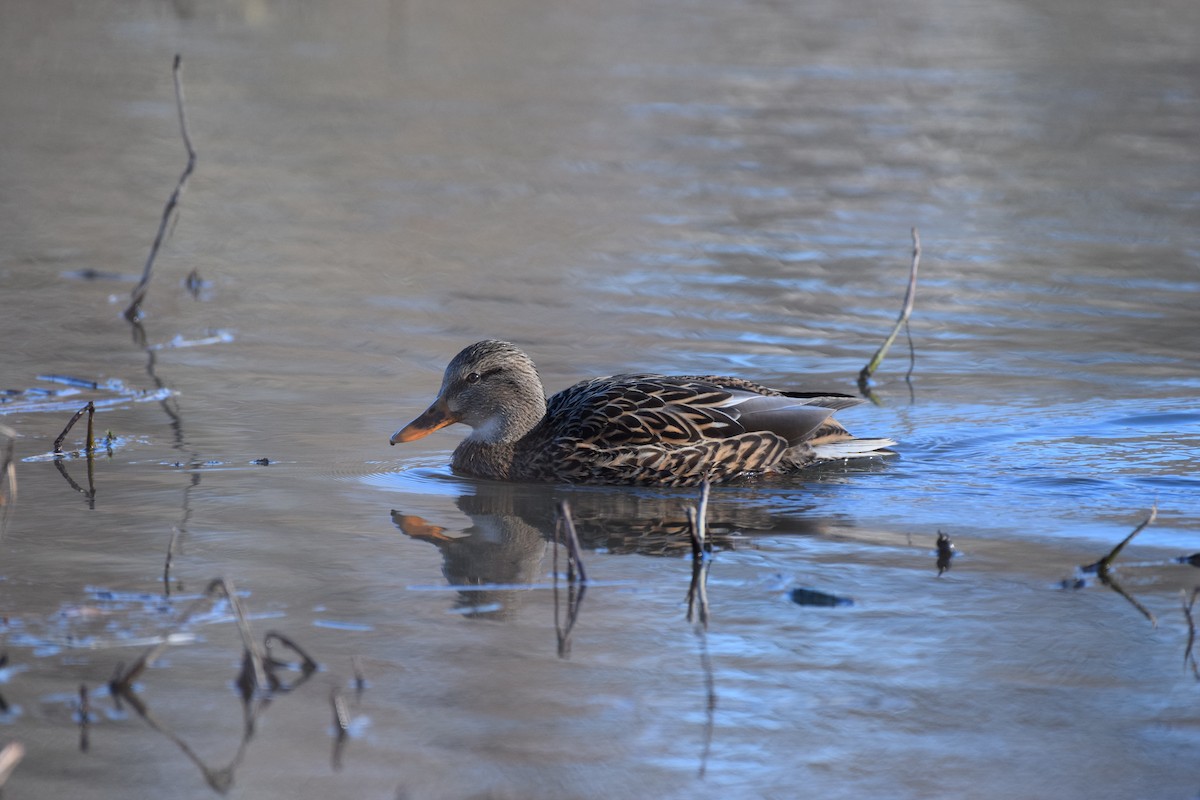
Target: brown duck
[{"x": 635, "y": 429}]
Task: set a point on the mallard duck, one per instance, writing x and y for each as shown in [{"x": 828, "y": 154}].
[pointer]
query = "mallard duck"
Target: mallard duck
[{"x": 634, "y": 429}]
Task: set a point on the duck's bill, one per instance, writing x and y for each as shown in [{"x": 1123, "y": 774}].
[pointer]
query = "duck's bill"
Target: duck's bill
[{"x": 437, "y": 416}]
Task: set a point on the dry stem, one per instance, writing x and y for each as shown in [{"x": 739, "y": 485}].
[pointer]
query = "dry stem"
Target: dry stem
[
  {"x": 864, "y": 376},
  {"x": 171, "y": 208},
  {"x": 90, "y": 410}
]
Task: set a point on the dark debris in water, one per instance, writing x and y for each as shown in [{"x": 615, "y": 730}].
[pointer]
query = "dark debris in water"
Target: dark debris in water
[
  {"x": 194, "y": 283},
  {"x": 812, "y": 597},
  {"x": 93, "y": 274},
  {"x": 945, "y": 552}
]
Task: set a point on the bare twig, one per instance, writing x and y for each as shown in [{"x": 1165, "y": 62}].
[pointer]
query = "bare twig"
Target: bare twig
[
  {"x": 89, "y": 409},
  {"x": 864, "y": 376},
  {"x": 1102, "y": 567},
  {"x": 912, "y": 358},
  {"x": 90, "y": 443},
  {"x": 171, "y": 208},
  {"x": 254, "y": 661},
  {"x": 167, "y": 563}
]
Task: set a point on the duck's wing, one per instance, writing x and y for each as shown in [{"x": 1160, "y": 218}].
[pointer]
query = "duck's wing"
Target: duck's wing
[
  {"x": 627, "y": 410},
  {"x": 831, "y": 400},
  {"x": 794, "y": 420}
]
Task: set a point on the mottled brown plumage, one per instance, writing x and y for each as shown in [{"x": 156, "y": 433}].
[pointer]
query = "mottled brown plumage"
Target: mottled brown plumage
[{"x": 629, "y": 429}]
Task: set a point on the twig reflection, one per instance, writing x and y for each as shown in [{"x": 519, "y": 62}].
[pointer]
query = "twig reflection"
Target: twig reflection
[
  {"x": 88, "y": 493},
  {"x": 697, "y": 613},
  {"x": 258, "y": 680},
  {"x": 576, "y": 584},
  {"x": 697, "y": 597},
  {"x": 1189, "y": 656},
  {"x": 710, "y": 704},
  {"x": 1103, "y": 569},
  {"x": 8, "y": 478},
  {"x": 191, "y": 459},
  {"x": 85, "y": 718},
  {"x": 341, "y": 726}
]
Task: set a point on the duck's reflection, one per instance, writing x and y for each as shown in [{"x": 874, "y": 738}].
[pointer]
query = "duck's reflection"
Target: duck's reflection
[
  {"x": 500, "y": 548},
  {"x": 504, "y": 548}
]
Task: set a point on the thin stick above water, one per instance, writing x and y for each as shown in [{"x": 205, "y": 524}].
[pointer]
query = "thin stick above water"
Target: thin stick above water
[
  {"x": 1104, "y": 567},
  {"x": 90, "y": 410},
  {"x": 864, "y": 376},
  {"x": 170, "y": 209}
]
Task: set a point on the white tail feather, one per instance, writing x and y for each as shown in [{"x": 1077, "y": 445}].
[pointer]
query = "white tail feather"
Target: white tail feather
[{"x": 851, "y": 448}]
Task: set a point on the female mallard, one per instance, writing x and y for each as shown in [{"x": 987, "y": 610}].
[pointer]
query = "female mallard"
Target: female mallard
[{"x": 628, "y": 429}]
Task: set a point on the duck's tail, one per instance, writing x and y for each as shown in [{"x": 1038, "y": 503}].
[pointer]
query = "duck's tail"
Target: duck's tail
[
  {"x": 832, "y": 442},
  {"x": 844, "y": 448}
]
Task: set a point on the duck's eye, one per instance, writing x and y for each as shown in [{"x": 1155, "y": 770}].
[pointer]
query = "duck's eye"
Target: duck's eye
[{"x": 473, "y": 377}]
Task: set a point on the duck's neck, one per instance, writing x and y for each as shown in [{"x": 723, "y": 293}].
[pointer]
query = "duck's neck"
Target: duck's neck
[
  {"x": 483, "y": 459},
  {"x": 511, "y": 418},
  {"x": 490, "y": 449}
]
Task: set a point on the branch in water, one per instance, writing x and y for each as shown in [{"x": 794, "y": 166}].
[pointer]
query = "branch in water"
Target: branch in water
[
  {"x": 864, "y": 376},
  {"x": 171, "y": 208}
]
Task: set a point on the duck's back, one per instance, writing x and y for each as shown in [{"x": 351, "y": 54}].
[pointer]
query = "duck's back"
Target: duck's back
[{"x": 671, "y": 431}]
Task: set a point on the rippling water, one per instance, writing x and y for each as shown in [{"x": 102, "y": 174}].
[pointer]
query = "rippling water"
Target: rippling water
[{"x": 681, "y": 187}]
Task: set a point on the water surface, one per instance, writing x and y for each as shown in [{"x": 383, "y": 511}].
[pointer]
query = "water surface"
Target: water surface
[{"x": 683, "y": 187}]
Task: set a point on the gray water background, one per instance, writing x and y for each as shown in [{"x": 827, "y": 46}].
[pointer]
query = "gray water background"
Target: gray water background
[{"x": 671, "y": 186}]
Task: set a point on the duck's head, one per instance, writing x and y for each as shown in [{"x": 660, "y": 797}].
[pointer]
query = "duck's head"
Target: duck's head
[{"x": 491, "y": 386}]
